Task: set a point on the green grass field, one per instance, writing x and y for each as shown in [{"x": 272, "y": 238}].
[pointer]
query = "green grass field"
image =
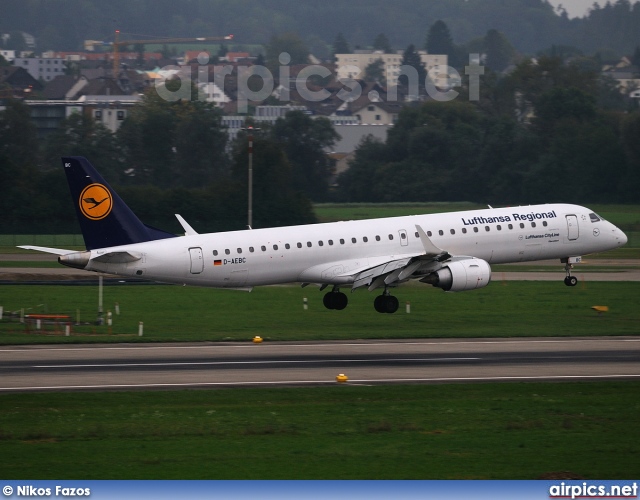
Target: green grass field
[
  {"x": 174, "y": 313},
  {"x": 483, "y": 431}
]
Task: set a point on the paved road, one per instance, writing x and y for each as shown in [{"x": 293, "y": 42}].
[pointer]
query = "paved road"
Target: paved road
[{"x": 175, "y": 366}]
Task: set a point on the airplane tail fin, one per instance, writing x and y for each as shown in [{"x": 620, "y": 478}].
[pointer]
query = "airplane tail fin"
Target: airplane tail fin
[{"x": 105, "y": 219}]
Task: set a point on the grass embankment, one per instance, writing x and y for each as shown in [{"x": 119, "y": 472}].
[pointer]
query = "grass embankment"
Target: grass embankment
[
  {"x": 174, "y": 313},
  {"x": 498, "y": 431}
]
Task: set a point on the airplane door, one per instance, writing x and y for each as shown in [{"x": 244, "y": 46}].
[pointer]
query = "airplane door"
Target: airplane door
[
  {"x": 197, "y": 260},
  {"x": 572, "y": 227},
  {"x": 404, "y": 241}
]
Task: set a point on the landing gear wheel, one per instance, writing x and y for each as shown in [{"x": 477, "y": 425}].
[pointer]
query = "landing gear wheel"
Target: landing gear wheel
[
  {"x": 335, "y": 300},
  {"x": 386, "y": 304},
  {"x": 378, "y": 303},
  {"x": 340, "y": 301},
  {"x": 327, "y": 300},
  {"x": 572, "y": 281},
  {"x": 391, "y": 304}
]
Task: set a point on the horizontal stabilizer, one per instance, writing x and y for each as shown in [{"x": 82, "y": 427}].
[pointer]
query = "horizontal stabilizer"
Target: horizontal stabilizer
[{"x": 55, "y": 251}]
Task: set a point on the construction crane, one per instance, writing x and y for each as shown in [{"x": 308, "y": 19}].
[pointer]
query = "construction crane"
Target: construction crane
[{"x": 117, "y": 43}]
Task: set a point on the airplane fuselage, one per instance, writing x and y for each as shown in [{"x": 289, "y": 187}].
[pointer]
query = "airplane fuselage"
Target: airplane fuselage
[{"x": 334, "y": 253}]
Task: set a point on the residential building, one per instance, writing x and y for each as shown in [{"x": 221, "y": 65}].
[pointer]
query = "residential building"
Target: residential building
[
  {"x": 212, "y": 93},
  {"x": 108, "y": 110},
  {"x": 45, "y": 69},
  {"x": 18, "y": 81},
  {"x": 354, "y": 65}
]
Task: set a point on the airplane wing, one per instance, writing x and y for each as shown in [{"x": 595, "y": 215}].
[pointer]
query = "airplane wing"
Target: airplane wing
[{"x": 384, "y": 270}]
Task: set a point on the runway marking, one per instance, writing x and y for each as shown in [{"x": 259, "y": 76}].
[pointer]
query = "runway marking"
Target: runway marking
[
  {"x": 323, "y": 382},
  {"x": 268, "y": 362},
  {"x": 358, "y": 344}
]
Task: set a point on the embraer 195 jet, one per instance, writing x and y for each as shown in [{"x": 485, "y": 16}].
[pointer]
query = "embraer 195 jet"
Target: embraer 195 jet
[{"x": 451, "y": 251}]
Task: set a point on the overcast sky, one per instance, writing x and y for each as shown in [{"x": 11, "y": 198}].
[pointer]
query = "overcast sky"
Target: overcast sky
[{"x": 577, "y": 8}]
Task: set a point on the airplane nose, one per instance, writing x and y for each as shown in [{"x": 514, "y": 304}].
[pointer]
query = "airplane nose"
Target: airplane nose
[{"x": 622, "y": 238}]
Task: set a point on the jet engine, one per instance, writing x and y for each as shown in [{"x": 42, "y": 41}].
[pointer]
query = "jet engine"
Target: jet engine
[{"x": 461, "y": 275}]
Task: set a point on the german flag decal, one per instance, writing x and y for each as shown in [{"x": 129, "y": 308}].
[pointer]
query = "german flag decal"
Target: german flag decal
[{"x": 217, "y": 262}]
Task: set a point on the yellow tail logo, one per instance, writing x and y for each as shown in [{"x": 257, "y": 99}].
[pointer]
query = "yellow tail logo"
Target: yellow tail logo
[{"x": 95, "y": 202}]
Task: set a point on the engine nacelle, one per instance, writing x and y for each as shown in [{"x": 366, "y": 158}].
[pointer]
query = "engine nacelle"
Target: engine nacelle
[{"x": 461, "y": 275}]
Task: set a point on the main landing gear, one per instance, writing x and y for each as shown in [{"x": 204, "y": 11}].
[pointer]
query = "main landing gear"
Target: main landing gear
[
  {"x": 335, "y": 299},
  {"x": 386, "y": 303}
]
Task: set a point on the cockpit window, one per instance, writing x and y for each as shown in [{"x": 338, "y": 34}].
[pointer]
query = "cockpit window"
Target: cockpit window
[{"x": 594, "y": 217}]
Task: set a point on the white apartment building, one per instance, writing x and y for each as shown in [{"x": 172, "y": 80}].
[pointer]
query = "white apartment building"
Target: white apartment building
[
  {"x": 44, "y": 69},
  {"x": 354, "y": 65}
]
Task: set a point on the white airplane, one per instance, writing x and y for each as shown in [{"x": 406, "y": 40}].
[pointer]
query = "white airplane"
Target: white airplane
[{"x": 452, "y": 251}]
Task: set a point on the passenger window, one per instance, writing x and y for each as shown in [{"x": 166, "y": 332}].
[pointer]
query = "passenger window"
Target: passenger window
[
  {"x": 391, "y": 237},
  {"x": 299, "y": 245},
  {"x": 353, "y": 240},
  {"x": 522, "y": 225},
  {"x": 330, "y": 242},
  {"x": 429, "y": 233},
  {"x": 441, "y": 232},
  {"x": 403, "y": 236},
  {"x": 239, "y": 250},
  {"x": 227, "y": 251},
  {"x": 263, "y": 248},
  {"x": 342, "y": 241},
  {"x": 365, "y": 239},
  {"x": 215, "y": 252},
  {"x": 377, "y": 238},
  {"x": 510, "y": 226},
  {"x": 487, "y": 228},
  {"x": 499, "y": 227},
  {"x": 320, "y": 243},
  {"x": 251, "y": 249},
  {"x": 275, "y": 247},
  {"x": 475, "y": 229},
  {"x": 544, "y": 223},
  {"x": 533, "y": 224},
  {"x": 464, "y": 230},
  {"x": 287, "y": 246},
  {"x": 417, "y": 234},
  {"x": 309, "y": 244},
  {"x": 453, "y": 231}
]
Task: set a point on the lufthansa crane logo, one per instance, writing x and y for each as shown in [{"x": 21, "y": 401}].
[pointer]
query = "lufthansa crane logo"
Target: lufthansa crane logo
[{"x": 95, "y": 202}]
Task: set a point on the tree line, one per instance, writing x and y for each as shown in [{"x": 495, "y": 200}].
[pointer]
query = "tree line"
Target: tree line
[
  {"x": 548, "y": 132},
  {"x": 166, "y": 158}
]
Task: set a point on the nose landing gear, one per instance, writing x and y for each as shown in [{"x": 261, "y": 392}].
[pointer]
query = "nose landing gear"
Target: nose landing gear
[{"x": 569, "y": 280}]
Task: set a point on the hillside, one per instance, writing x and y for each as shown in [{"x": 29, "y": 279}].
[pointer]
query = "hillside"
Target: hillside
[{"x": 531, "y": 25}]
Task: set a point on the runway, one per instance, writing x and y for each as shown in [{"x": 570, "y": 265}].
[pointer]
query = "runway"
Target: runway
[{"x": 211, "y": 365}]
